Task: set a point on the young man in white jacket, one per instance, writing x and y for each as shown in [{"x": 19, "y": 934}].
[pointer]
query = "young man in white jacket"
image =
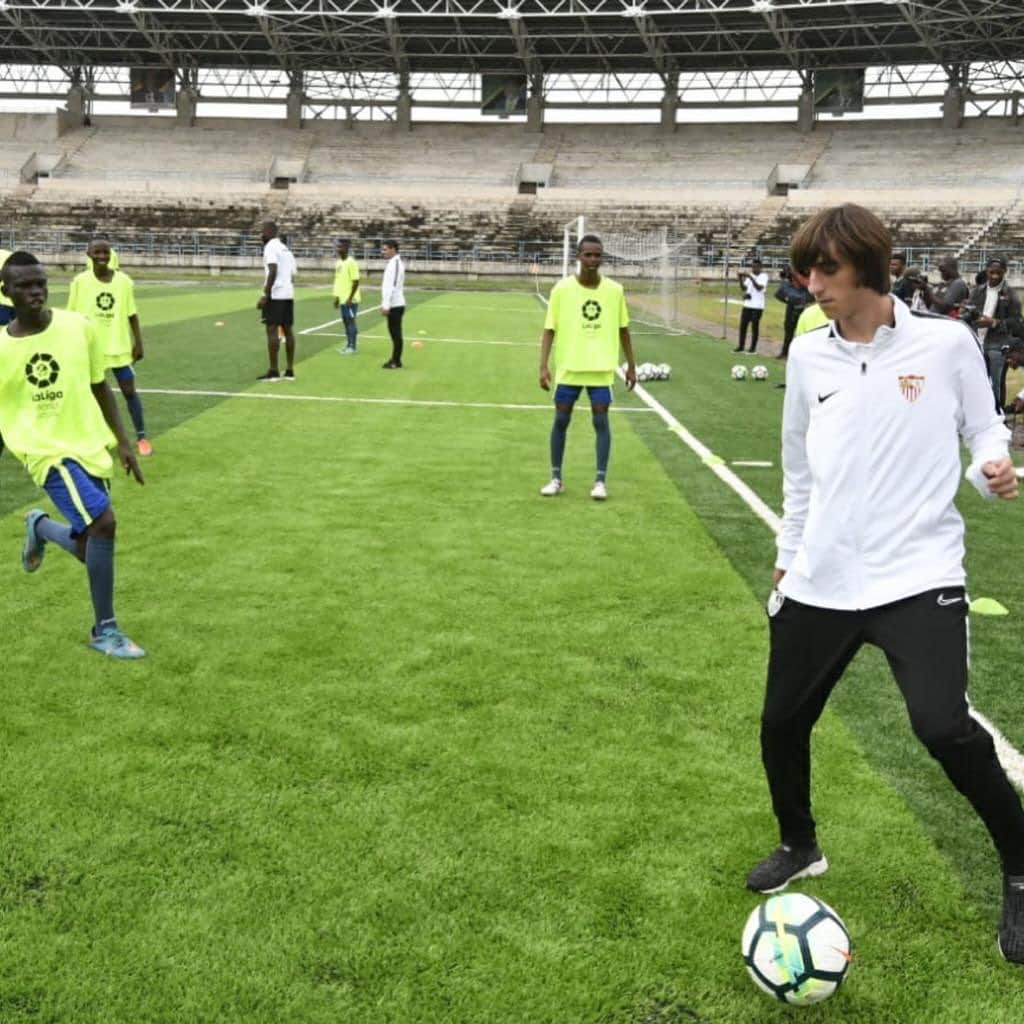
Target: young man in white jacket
[
  {"x": 871, "y": 547},
  {"x": 392, "y": 301}
]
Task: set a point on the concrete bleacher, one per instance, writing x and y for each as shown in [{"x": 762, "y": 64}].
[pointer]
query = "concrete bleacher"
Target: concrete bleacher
[
  {"x": 477, "y": 156},
  {"x": 453, "y": 185}
]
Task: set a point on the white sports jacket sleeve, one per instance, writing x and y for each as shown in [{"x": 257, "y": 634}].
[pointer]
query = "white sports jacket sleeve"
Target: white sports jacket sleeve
[
  {"x": 796, "y": 486},
  {"x": 981, "y": 427}
]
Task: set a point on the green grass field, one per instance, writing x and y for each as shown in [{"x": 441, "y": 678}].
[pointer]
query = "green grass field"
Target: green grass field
[{"x": 413, "y": 744}]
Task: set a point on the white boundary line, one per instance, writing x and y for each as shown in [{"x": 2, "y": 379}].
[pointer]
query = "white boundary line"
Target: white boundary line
[
  {"x": 280, "y": 396},
  {"x": 337, "y": 320},
  {"x": 1009, "y": 756},
  {"x": 444, "y": 341}
]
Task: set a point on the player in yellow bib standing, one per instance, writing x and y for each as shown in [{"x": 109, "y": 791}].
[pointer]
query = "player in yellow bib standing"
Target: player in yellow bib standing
[
  {"x": 346, "y": 294},
  {"x": 587, "y": 321},
  {"x": 59, "y": 418},
  {"x": 107, "y": 297}
]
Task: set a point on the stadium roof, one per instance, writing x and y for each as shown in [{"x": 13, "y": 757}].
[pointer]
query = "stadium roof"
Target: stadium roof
[{"x": 539, "y": 36}]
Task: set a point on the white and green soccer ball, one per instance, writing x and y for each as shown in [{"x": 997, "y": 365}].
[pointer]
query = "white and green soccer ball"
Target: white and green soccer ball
[
  {"x": 759, "y": 372},
  {"x": 796, "y": 948},
  {"x": 738, "y": 372}
]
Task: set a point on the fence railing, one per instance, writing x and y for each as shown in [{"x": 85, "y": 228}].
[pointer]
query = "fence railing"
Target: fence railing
[{"x": 686, "y": 257}]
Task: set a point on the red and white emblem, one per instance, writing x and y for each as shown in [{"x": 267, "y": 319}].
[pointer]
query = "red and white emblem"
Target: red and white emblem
[{"x": 911, "y": 385}]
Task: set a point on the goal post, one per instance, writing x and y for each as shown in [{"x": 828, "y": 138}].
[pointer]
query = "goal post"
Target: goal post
[{"x": 571, "y": 235}]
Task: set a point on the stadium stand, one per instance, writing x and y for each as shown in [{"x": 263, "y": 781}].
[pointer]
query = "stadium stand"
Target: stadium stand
[{"x": 452, "y": 186}]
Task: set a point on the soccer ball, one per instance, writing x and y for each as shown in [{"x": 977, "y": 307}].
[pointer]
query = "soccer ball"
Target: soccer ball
[
  {"x": 759, "y": 373},
  {"x": 665, "y": 371},
  {"x": 796, "y": 949},
  {"x": 738, "y": 372}
]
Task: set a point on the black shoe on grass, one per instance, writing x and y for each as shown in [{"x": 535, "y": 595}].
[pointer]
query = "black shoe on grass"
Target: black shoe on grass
[
  {"x": 1011, "y": 924},
  {"x": 786, "y": 865},
  {"x": 270, "y": 375}
]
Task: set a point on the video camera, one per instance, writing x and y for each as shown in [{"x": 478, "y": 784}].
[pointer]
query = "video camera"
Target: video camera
[{"x": 969, "y": 313}]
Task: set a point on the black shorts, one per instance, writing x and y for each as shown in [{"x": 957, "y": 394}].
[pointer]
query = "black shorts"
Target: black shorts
[{"x": 279, "y": 312}]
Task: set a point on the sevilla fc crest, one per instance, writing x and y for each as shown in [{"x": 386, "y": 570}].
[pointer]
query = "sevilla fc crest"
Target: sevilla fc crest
[{"x": 911, "y": 386}]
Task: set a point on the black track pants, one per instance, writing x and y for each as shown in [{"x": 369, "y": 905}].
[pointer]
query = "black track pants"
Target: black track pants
[
  {"x": 924, "y": 639},
  {"x": 395, "y": 314}
]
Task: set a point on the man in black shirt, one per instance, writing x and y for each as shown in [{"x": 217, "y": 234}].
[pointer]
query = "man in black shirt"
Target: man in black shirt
[{"x": 951, "y": 291}]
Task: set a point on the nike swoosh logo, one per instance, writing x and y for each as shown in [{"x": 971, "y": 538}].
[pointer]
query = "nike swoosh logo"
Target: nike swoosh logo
[
  {"x": 825, "y": 398},
  {"x": 943, "y": 600}
]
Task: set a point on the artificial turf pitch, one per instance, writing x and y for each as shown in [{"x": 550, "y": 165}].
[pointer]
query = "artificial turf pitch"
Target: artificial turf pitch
[{"x": 413, "y": 744}]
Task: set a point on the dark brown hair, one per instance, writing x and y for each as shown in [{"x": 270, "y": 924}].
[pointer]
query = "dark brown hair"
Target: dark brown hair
[{"x": 848, "y": 233}]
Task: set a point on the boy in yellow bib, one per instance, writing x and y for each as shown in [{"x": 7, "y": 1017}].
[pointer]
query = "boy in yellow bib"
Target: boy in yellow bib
[
  {"x": 106, "y": 296},
  {"x": 59, "y": 418},
  {"x": 587, "y": 321}
]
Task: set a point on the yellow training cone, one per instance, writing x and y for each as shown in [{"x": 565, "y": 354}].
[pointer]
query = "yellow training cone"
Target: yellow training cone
[{"x": 988, "y": 606}]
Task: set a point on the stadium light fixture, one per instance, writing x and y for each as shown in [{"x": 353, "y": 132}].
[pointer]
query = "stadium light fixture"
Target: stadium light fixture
[
  {"x": 256, "y": 10},
  {"x": 634, "y": 11},
  {"x": 762, "y": 5},
  {"x": 510, "y": 14},
  {"x": 386, "y": 12},
  {"x": 127, "y": 6}
]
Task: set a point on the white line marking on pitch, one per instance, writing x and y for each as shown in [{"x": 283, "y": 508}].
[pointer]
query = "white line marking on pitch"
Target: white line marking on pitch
[
  {"x": 446, "y": 341},
  {"x": 337, "y": 320},
  {"x": 752, "y": 463},
  {"x": 1009, "y": 757},
  {"x": 281, "y": 396}
]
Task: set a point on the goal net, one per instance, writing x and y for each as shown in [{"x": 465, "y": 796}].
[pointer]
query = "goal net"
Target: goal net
[{"x": 650, "y": 265}]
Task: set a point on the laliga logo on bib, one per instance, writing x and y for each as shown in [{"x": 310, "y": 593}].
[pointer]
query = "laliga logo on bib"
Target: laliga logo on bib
[
  {"x": 105, "y": 301},
  {"x": 911, "y": 386},
  {"x": 591, "y": 309},
  {"x": 42, "y": 370}
]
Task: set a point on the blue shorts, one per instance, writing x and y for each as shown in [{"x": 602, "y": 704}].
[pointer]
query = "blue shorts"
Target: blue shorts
[
  {"x": 123, "y": 373},
  {"x": 80, "y": 497},
  {"x": 566, "y": 394}
]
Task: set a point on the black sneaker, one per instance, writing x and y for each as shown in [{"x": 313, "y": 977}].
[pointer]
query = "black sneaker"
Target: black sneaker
[
  {"x": 389, "y": 365},
  {"x": 1011, "y": 924},
  {"x": 785, "y": 865},
  {"x": 289, "y": 375},
  {"x": 271, "y": 375}
]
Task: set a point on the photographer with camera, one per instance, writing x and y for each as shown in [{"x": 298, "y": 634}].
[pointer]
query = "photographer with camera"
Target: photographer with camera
[
  {"x": 754, "y": 285},
  {"x": 951, "y": 291},
  {"x": 918, "y": 290},
  {"x": 994, "y": 312},
  {"x": 793, "y": 292}
]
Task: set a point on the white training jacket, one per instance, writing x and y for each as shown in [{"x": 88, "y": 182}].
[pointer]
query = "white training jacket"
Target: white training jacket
[
  {"x": 871, "y": 459},
  {"x": 392, "y": 286}
]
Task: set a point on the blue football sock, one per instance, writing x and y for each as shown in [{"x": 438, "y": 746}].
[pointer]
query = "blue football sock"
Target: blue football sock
[
  {"x": 604, "y": 442},
  {"x": 135, "y": 411},
  {"x": 57, "y": 533},
  {"x": 558, "y": 432},
  {"x": 99, "y": 563}
]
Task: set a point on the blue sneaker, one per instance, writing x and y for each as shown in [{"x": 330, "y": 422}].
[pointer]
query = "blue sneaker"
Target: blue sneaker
[
  {"x": 34, "y": 548},
  {"x": 111, "y": 641}
]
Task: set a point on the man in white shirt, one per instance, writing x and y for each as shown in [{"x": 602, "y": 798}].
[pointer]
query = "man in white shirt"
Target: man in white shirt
[
  {"x": 871, "y": 547},
  {"x": 392, "y": 301},
  {"x": 277, "y": 302},
  {"x": 754, "y": 285}
]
